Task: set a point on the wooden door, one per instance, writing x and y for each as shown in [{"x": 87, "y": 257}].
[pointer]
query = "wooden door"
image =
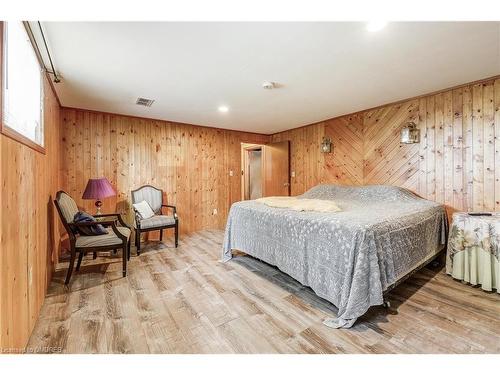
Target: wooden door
[{"x": 276, "y": 169}]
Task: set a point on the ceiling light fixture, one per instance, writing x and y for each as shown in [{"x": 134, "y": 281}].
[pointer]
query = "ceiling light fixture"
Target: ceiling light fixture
[
  {"x": 268, "y": 85},
  {"x": 373, "y": 26},
  {"x": 410, "y": 133},
  {"x": 223, "y": 109}
]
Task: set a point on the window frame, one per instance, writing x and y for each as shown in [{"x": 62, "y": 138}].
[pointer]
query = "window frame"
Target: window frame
[{"x": 4, "y": 128}]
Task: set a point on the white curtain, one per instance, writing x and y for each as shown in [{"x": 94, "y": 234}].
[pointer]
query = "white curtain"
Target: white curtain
[
  {"x": 477, "y": 267},
  {"x": 473, "y": 250}
]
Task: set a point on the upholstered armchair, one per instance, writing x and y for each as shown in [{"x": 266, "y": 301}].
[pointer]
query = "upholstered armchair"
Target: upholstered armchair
[
  {"x": 118, "y": 236},
  {"x": 154, "y": 198}
]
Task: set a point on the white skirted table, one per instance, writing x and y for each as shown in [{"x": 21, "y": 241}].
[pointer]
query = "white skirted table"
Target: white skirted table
[{"x": 474, "y": 250}]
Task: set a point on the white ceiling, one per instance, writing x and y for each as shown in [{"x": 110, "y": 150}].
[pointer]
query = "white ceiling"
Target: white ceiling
[{"x": 324, "y": 69}]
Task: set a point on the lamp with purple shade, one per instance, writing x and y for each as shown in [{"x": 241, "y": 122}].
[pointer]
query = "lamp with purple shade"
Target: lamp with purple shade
[{"x": 98, "y": 188}]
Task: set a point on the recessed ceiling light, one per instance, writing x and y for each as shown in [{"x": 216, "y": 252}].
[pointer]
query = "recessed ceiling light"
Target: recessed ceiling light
[
  {"x": 268, "y": 85},
  {"x": 223, "y": 109},
  {"x": 373, "y": 26}
]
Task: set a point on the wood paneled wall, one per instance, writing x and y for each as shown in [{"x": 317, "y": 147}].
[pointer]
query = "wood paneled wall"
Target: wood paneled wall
[
  {"x": 456, "y": 163},
  {"x": 311, "y": 166},
  {"x": 190, "y": 163},
  {"x": 29, "y": 228}
]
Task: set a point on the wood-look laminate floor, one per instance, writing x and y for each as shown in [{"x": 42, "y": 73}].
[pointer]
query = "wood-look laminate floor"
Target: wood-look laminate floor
[{"x": 185, "y": 301}]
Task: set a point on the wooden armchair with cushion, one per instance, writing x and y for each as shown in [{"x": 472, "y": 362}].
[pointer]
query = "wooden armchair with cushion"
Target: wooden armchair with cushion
[
  {"x": 157, "y": 221},
  {"x": 118, "y": 237}
]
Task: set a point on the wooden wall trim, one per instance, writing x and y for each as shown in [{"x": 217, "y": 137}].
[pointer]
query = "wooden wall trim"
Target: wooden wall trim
[
  {"x": 53, "y": 88},
  {"x": 18, "y": 137}
]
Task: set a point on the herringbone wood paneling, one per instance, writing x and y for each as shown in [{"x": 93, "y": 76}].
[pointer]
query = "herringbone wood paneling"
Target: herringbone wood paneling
[
  {"x": 386, "y": 161},
  {"x": 343, "y": 166},
  {"x": 306, "y": 160},
  {"x": 457, "y": 161}
]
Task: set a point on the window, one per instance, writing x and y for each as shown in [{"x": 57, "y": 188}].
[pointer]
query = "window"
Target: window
[{"x": 22, "y": 87}]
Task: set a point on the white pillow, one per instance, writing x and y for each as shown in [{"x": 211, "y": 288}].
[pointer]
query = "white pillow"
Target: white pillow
[{"x": 144, "y": 209}]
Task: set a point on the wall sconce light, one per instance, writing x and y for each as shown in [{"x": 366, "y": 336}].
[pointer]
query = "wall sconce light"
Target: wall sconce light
[
  {"x": 410, "y": 133},
  {"x": 326, "y": 145}
]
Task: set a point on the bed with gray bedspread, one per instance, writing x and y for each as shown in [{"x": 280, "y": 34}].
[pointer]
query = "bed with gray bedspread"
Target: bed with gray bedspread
[{"x": 350, "y": 257}]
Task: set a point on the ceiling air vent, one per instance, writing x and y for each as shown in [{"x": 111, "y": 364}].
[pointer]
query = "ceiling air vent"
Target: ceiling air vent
[{"x": 145, "y": 102}]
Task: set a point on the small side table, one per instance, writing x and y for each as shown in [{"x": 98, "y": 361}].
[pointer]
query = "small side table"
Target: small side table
[{"x": 473, "y": 253}]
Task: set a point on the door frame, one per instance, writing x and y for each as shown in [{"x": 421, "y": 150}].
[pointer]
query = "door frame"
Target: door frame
[{"x": 245, "y": 169}]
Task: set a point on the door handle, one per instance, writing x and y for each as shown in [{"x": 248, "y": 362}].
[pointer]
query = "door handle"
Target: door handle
[{"x": 286, "y": 184}]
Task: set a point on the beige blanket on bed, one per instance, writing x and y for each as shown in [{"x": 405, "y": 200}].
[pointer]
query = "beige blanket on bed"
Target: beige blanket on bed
[{"x": 304, "y": 204}]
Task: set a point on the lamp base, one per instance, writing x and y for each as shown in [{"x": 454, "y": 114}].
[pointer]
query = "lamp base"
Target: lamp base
[{"x": 98, "y": 205}]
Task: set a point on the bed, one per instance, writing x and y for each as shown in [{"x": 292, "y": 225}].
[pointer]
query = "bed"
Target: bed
[{"x": 350, "y": 258}]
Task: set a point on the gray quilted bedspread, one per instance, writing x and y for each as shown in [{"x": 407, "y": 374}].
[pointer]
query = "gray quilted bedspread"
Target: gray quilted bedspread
[{"x": 350, "y": 257}]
